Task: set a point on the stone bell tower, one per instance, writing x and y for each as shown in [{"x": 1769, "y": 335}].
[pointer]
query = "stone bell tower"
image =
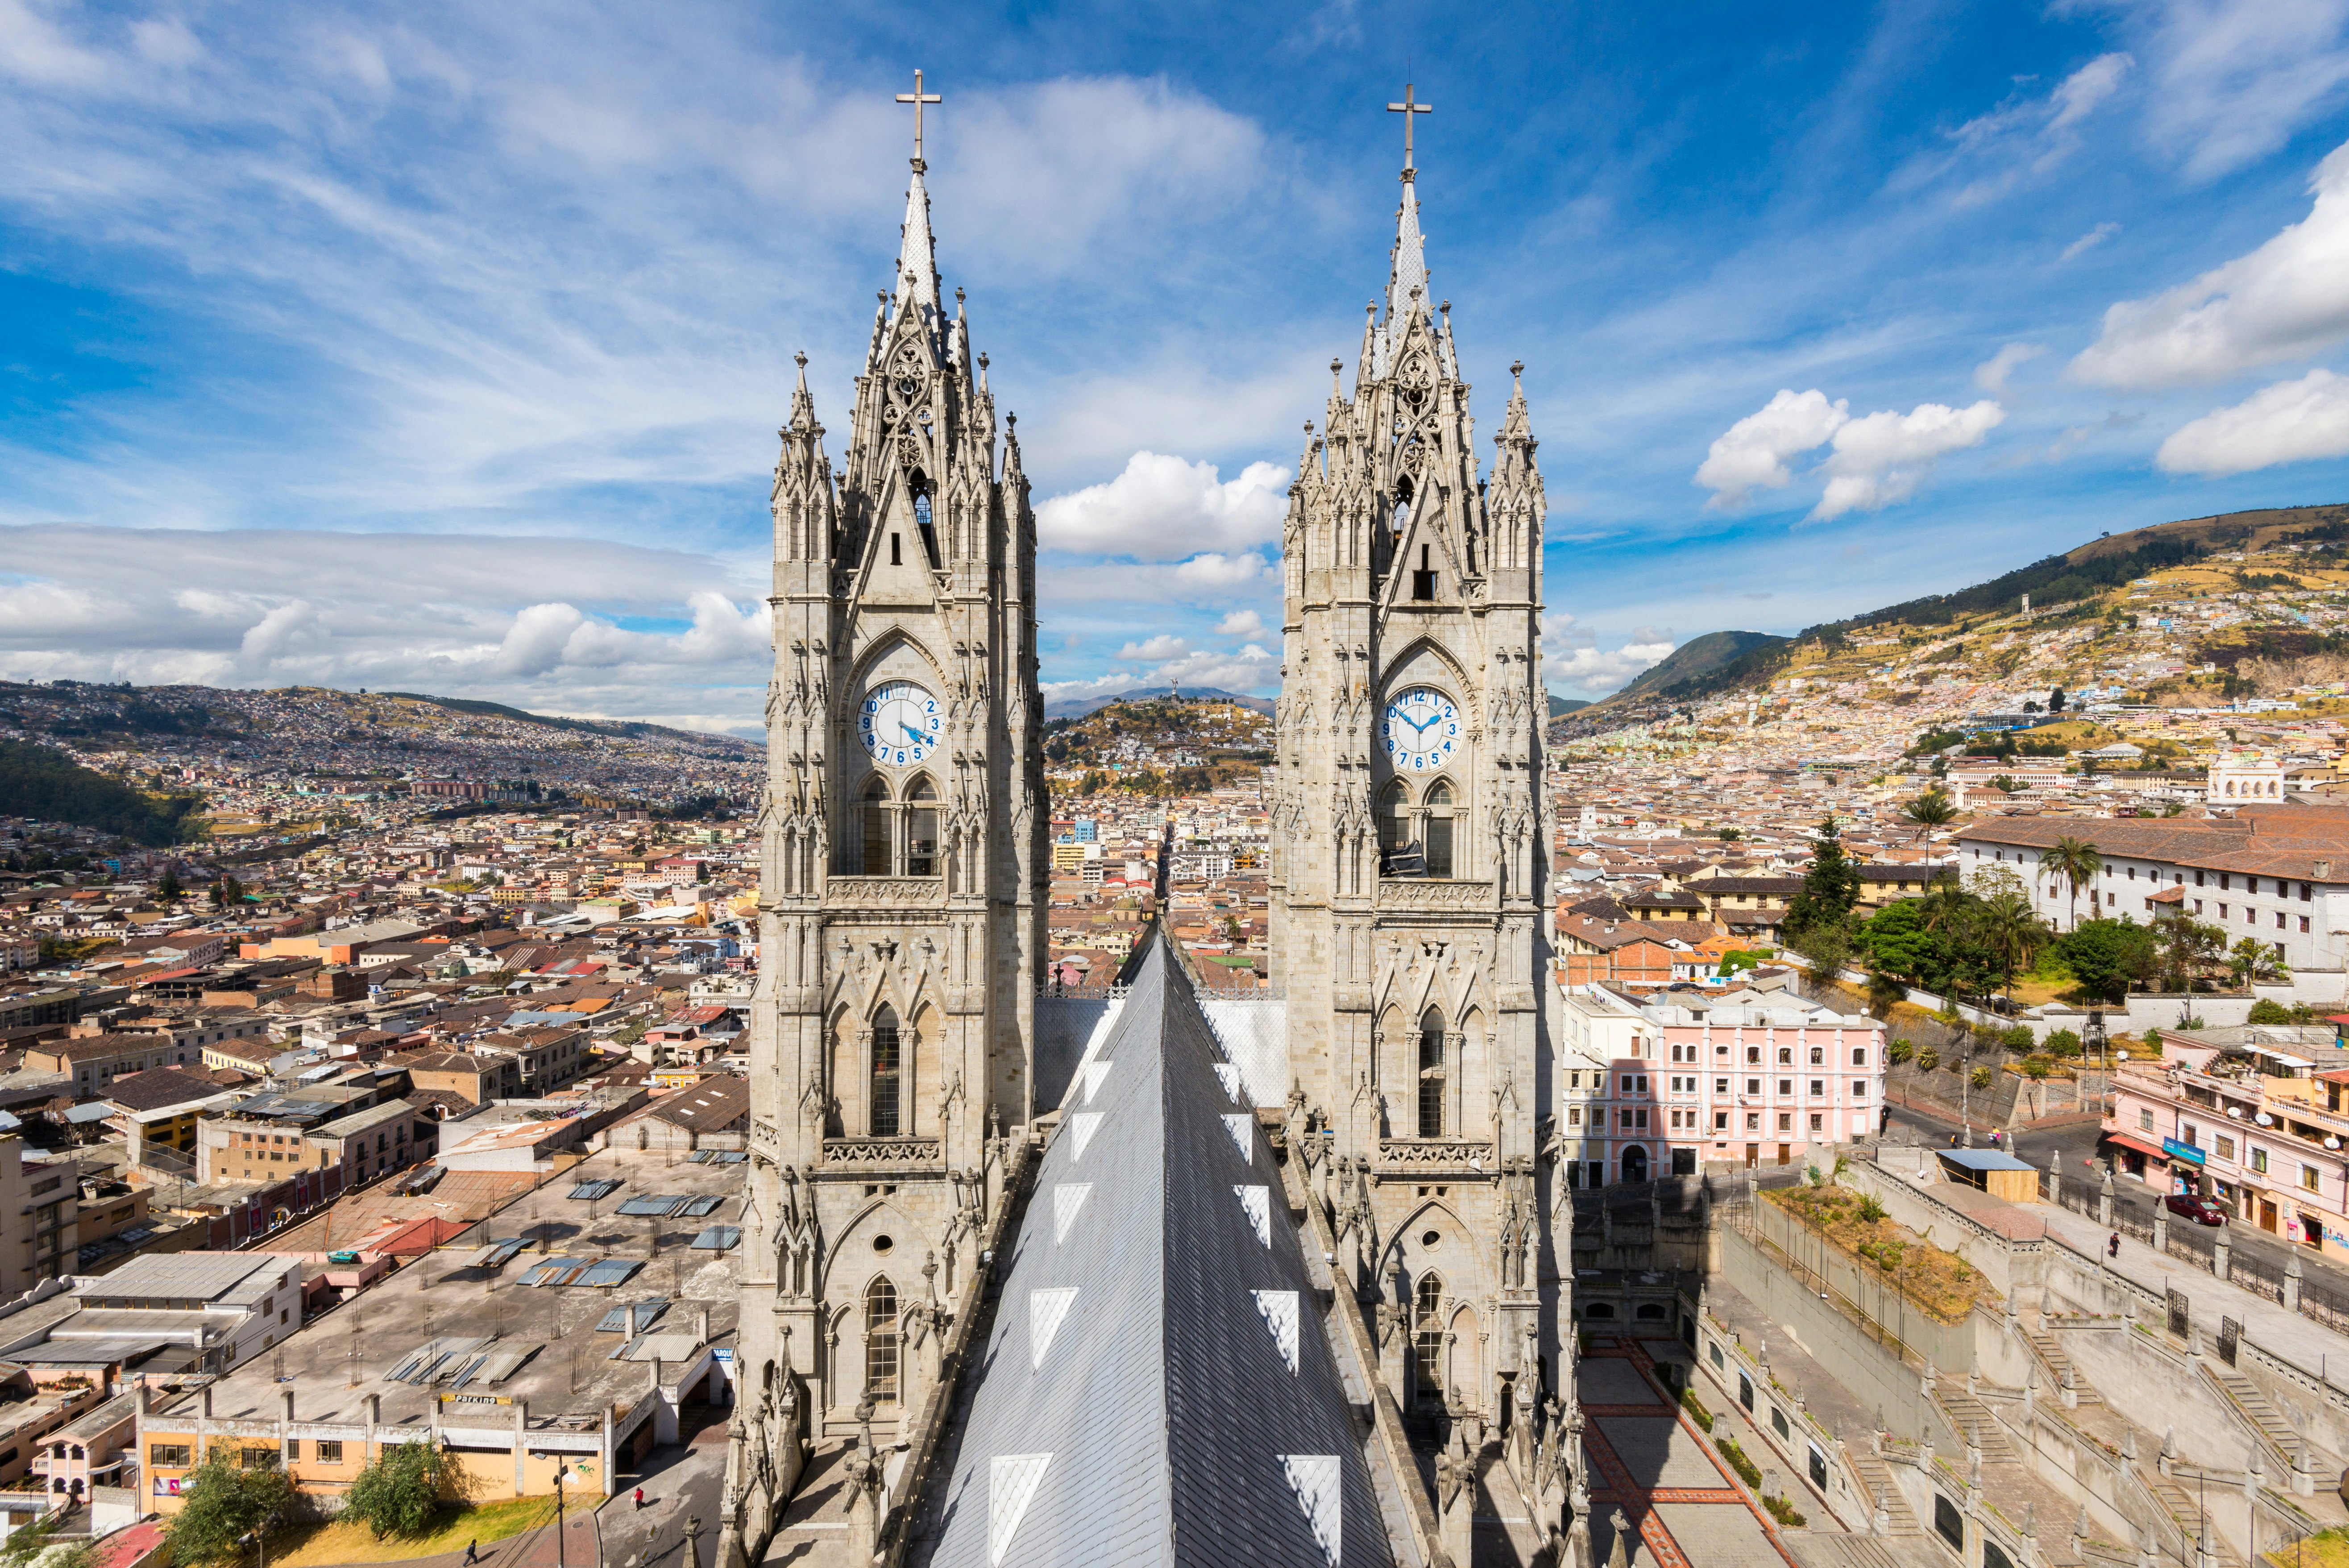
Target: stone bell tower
[
  {"x": 1406, "y": 893},
  {"x": 902, "y": 886}
]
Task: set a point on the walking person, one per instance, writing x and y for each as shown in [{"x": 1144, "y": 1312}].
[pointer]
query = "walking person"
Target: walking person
[
  {"x": 473, "y": 1556},
  {"x": 641, "y": 1497},
  {"x": 2113, "y": 1247}
]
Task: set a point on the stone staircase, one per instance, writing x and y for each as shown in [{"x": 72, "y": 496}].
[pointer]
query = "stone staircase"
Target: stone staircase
[
  {"x": 1975, "y": 1423},
  {"x": 2059, "y": 1366},
  {"x": 2283, "y": 1438},
  {"x": 1876, "y": 1476},
  {"x": 2178, "y": 1499}
]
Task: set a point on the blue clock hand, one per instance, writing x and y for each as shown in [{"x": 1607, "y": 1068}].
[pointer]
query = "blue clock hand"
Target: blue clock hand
[{"x": 917, "y": 734}]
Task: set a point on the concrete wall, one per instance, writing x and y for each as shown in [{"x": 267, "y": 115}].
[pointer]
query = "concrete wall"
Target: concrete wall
[
  {"x": 2159, "y": 1390},
  {"x": 2006, "y": 1263},
  {"x": 1948, "y": 1345},
  {"x": 1876, "y": 1377}
]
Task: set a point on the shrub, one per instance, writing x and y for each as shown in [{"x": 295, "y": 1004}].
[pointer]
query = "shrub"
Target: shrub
[
  {"x": 2063, "y": 1043},
  {"x": 2037, "y": 1066},
  {"x": 1928, "y": 1060},
  {"x": 1978, "y": 1077},
  {"x": 2153, "y": 1039},
  {"x": 1747, "y": 1472},
  {"x": 398, "y": 1492},
  {"x": 1781, "y": 1511},
  {"x": 1695, "y": 1407},
  {"x": 219, "y": 1502},
  {"x": 1870, "y": 1210},
  {"x": 1898, "y": 1051},
  {"x": 2266, "y": 1012},
  {"x": 2018, "y": 1038}
]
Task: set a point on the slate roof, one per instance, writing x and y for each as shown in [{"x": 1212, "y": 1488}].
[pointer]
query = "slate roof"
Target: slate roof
[{"x": 1158, "y": 1387}]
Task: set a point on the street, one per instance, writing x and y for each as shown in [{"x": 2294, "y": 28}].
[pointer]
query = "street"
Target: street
[{"x": 2076, "y": 1146}]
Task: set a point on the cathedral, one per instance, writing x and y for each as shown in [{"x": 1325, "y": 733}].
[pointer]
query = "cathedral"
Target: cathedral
[{"x": 1030, "y": 1278}]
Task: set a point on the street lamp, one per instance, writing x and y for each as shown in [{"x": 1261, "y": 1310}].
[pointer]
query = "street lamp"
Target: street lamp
[{"x": 561, "y": 1473}]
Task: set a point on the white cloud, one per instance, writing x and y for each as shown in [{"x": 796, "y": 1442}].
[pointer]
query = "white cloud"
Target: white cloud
[
  {"x": 620, "y": 631},
  {"x": 2089, "y": 240},
  {"x": 2289, "y": 422},
  {"x": 1249, "y": 670},
  {"x": 1240, "y": 623},
  {"x": 1751, "y": 454},
  {"x": 2233, "y": 80},
  {"x": 1881, "y": 460},
  {"x": 1162, "y": 508},
  {"x": 1571, "y": 657},
  {"x": 2287, "y": 299},
  {"x": 1990, "y": 374},
  {"x": 1153, "y": 649},
  {"x": 2080, "y": 93}
]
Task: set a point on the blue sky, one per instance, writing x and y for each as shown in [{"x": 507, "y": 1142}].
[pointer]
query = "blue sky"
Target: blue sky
[{"x": 442, "y": 348}]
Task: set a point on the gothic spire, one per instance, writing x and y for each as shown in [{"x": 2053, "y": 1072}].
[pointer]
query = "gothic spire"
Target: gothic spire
[{"x": 917, "y": 267}]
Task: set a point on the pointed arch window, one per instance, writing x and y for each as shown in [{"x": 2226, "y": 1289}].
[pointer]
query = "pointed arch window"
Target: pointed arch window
[
  {"x": 1402, "y": 515},
  {"x": 873, "y": 826},
  {"x": 1422, "y": 580},
  {"x": 881, "y": 1341},
  {"x": 922, "y": 829},
  {"x": 1438, "y": 837},
  {"x": 1427, "y": 1338},
  {"x": 923, "y": 522},
  {"x": 1434, "y": 1073},
  {"x": 1394, "y": 819},
  {"x": 887, "y": 1078}
]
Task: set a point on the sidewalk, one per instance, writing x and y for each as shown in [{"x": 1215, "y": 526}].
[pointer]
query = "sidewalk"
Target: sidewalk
[{"x": 2297, "y": 1340}]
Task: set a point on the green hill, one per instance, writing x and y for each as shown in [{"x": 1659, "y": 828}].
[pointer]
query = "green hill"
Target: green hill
[
  {"x": 1560, "y": 707},
  {"x": 1703, "y": 666},
  {"x": 42, "y": 782}
]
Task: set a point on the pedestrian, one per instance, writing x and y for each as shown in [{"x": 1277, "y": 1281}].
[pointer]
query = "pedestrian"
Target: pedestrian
[
  {"x": 641, "y": 1497},
  {"x": 471, "y": 1556},
  {"x": 2113, "y": 1247}
]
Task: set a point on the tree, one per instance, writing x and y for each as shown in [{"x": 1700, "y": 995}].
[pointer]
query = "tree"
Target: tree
[
  {"x": 398, "y": 1491},
  {"x": 1930, "y": 810},
  {"x": 2263, "y": 1011},
  {"x": 2012, "y": 930},
  {"x": 1830, "y": 884},
  {"x": 2188, "y": 946},
  {"x": 2055, "y": 701},
  {"x": 2105, "y": 954},
  {"x": 2073, "y": 861},
  {"x": 219, "y": 1503},
  {"x": 2252, "y": 959},
  {"x": 2006, "y": 784},
  {"x": 169, "y": 890}
]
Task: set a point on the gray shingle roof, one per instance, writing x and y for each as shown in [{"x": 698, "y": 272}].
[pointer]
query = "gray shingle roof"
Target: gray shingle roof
[{"x": 1182, "y": 1405}]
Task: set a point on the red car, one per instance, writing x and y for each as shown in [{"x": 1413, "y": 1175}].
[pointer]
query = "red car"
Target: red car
[{"x": 2198, "y": 1209}]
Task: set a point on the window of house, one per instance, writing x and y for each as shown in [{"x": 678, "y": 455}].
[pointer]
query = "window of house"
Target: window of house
[
  {"x": 257, "y": 1459},
  {"x": 1819, "y": 1088},
  {"x": 1721, "y": 1086},
  {"x": 1720, "y": 1121},
  {"x": 1786, "y": 1121},
  {"x": 2226, "y": 1147},
  {"x": 2260, "y": 1160},
  {"x": 168, "y": 1456},
  {"x": 330, "y": 1451},
  {"x": 1753, "y": 1085},
  {"x": 2308, "y": 1177},
  {"x": 1786, "y": 1085},
  {"x": 1752, "y": 1121}
]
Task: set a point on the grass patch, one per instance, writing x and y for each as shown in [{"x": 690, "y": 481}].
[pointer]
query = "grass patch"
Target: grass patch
[
  {"x": 1941, "y": 1284},
  {"x": 2325, "y": 1549},
  {"x": 1695, "y": 1407},
  {"x": 1747, "y": 1471},
  {"x": 328, "y": 1545},
  {"x": 1781, "y": 1511}
]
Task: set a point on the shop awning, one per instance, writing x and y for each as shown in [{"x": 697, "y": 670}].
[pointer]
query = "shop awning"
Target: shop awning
[{"x": 2154, "y": 1150}]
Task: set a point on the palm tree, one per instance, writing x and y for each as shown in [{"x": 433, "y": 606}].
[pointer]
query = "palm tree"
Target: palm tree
[
  {"x": 2012, "y": 929},
  {"x": 2074, "y": 861},
  {"x": 1931, "y": 809}
]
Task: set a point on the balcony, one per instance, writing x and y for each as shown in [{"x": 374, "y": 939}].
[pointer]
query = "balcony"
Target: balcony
[
  {"x": 883, "y": 1154},
  {"x": 1434, "y": 1156}
]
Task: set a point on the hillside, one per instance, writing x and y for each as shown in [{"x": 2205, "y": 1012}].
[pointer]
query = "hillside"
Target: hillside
[
  {"x": 1560, "y": 707},
  {"x": 43, "y": 782},
  {"x": 1158, "y": 746},
  {"x": 1721, "y": 661},
  {"x": 1078, "y": 707}
]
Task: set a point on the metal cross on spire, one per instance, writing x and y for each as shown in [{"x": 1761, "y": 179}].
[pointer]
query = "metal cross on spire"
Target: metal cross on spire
[
  {"x": 917, "y": 97},
  {"x": 1407, "y": 108}
]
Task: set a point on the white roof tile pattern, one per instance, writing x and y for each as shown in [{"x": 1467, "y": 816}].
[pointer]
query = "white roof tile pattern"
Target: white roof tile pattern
[
  {"x": 1280, "y": 1309},
  {"x": 1068, "y": 1197},
  {"x": 1081, "y": 1128},
  {"x": 1046, "y": 1308},
  {"x": 1314, "y": 1478},
  {"x": 1242, "y": 1127},
  {"x": 1011, "y": 1483},
  {"x": 1258, "y": 1203}
]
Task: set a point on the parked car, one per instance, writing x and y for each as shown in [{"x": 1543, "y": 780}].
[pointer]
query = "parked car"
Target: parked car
[{"x": 2200, "y": 1209}]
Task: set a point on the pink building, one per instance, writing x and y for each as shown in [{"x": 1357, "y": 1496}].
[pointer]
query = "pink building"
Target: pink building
[{"x": 1666, "y": 1083}]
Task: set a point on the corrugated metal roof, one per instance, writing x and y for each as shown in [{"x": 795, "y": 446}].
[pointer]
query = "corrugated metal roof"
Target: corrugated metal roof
[
  {"x": 609, "y": 1272},
  {"x": 651, "y": 1204},
  {"x": 632, "y": 1320},
  {"x": 719, "y": 1238},
  {"x": 590, "y": 1190},
  {"x": 1148, "y": 1381}
]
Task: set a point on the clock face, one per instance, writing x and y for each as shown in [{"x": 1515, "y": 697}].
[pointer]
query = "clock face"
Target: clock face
[
  {"x": 1420, "y": 727},
  {"x": 899, "y": 724}
]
